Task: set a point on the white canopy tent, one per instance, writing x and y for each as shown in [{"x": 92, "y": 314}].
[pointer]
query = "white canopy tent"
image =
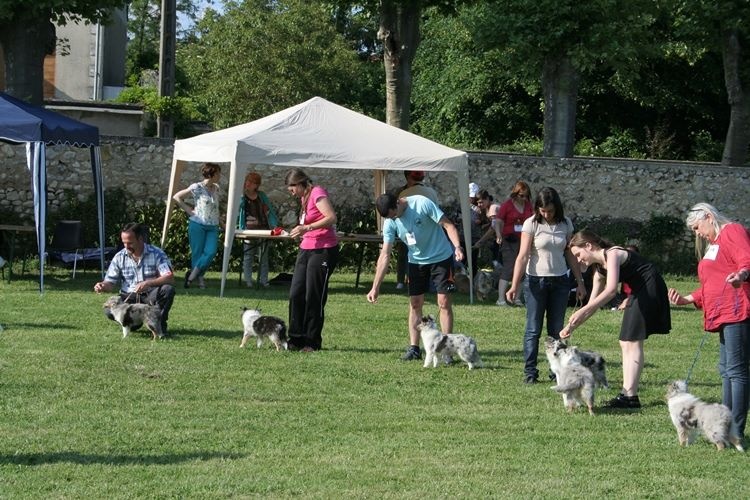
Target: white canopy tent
[{"x": 316, "y": 134}]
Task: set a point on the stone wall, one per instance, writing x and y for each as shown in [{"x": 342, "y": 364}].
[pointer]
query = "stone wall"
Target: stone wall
[{"x": 589, "y": 187}]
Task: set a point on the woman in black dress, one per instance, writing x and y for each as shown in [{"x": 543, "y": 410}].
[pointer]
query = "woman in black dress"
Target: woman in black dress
[{"x": 647, "y": 312}]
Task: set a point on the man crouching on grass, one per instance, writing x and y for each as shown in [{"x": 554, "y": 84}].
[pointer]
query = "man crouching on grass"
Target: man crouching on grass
[
  {"x": 423, "y": 227},
  {"x": 143, "y": 271}
]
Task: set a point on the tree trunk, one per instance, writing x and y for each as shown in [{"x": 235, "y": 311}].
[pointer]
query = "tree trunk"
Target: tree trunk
[
  {"x": 560, "y": 87},
  {"x": 399, "y": 33},
  {"x": 738, "y": 134},
  {"x": 25, "y": 44}
]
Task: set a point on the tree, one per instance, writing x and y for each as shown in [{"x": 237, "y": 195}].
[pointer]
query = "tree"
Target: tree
[
  {"x": 259, "y": 57},
  {"x": 27, "y": 34},
  {"x": 724, "y": 26},
  {"x": 465, "y": 97},
  {"x": 144, "y": 20},
  {"x": 554, "y": 44},
  {"x": 399, "y": 25},
  {"x": 399, "y": 32}
]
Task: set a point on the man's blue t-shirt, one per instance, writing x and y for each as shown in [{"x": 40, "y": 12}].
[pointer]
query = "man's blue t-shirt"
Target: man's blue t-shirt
[{"x": 420, "y": 218}]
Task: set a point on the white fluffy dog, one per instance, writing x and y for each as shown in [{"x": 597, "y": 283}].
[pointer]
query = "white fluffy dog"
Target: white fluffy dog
[
  {"x": 436, "y": 343},
  {"x": 259, "y": 326},
  {"x": 574, "y": 380},
  {"x": 590, "y": 359},
  {"x": 690, "y": 416}
]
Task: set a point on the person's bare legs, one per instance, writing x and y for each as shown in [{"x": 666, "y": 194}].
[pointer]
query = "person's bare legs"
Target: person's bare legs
[
  {"x": 415, "y": 317},
  {"x": 632, "y": 366},
  {"x": 446, "y": 312}
]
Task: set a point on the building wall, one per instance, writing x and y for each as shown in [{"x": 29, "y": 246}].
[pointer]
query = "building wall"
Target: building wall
[
  {"x": 93, "y": 57},
  {"x": 589, "y": 187}
]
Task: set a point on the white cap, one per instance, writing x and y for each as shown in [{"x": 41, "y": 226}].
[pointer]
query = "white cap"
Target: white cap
[{"x": 473, "y": 190}]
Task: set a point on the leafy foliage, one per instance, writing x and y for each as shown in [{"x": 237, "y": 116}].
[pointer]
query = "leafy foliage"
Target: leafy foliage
[
  {"x": 183, "y": 110},
  {"x": 144, "y": 32},
  {"x": 290, "y": 52},
  {"x": 462, "y": 97}
]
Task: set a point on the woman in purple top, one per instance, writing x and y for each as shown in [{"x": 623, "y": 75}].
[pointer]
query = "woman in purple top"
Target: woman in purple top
[{"x": 316, "y": 261}]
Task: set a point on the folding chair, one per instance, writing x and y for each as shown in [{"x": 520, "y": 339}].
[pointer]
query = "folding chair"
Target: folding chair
[{"x": 67, "y": 239}]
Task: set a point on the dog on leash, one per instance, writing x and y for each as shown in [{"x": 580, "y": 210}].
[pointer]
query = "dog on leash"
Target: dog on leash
[
  {"x": 437, "y": 344},
  {"x": 590, "y": 359},
  {"x": 690, "y": 416},
  {"x": 259, "y": 326},
  {"x": 133, "y": 316},
  {"x": 574, "y": 380}
]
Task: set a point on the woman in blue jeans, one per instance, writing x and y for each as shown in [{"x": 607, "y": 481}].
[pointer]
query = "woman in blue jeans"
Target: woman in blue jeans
[
  {"x": 544, "y": 258},
  {"x": 723, "y": 249},
  {"x": 203, "y": 225}
]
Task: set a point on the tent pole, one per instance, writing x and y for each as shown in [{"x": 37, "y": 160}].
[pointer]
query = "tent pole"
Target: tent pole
[
  {"x": 36, "y": 163},
  {"x": 234, "y": 192},
  {"x": 463, "y": 188},
  {"x": 96, "y": 168},
  {"x": 177, "y": 168}
]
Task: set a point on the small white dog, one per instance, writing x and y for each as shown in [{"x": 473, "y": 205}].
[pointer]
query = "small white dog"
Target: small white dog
[
  {"x": 690, "y": 416},
  {"x": 260, "y": 327},
  {"x": 133, "y": 316},
  {"x": 574, "y": 380},
  {"x": 436, "y": 343},
  {"x": 590, "y": 359}
]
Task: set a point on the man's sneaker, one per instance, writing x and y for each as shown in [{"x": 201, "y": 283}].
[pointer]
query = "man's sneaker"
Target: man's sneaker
[
  {"x": 530, "y": 380},
  {"x": 623, "y": 401},
  {"x": 411, "y": 354},
  {"x": 399, "y": 286},
  {"x": 501, "y": 302}
]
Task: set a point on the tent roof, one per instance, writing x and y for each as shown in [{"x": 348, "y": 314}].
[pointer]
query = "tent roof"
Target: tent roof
[
  {"x": 22, "y": 122},
  {"x": 321, "y": 134}
]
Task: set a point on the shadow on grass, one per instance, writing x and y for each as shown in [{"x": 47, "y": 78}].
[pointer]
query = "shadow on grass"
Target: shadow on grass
[
  {"x": 84, "y": 458},
  {"x": 176, "y": 332},
  {"x": 41, "y": 324}
]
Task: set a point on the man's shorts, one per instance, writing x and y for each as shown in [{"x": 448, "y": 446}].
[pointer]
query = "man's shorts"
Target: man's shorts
[{"x": 439, "y": 274}]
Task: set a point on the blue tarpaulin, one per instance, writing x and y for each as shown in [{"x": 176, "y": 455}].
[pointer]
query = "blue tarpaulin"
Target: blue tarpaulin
[{"x": 21, "y": 122}]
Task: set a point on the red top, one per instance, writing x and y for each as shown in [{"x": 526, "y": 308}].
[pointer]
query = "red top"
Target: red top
[
  {"x": 721, "y": 302},
  {"x": 317, "y": 238},
  {"x": 512, "y": 218}
]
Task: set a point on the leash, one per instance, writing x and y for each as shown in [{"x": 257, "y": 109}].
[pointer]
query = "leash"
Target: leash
[{"x": 695, "y": 359}]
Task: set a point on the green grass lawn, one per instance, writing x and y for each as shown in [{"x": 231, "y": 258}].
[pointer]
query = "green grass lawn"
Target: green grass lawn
[{"x": 87, "y": 414}]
